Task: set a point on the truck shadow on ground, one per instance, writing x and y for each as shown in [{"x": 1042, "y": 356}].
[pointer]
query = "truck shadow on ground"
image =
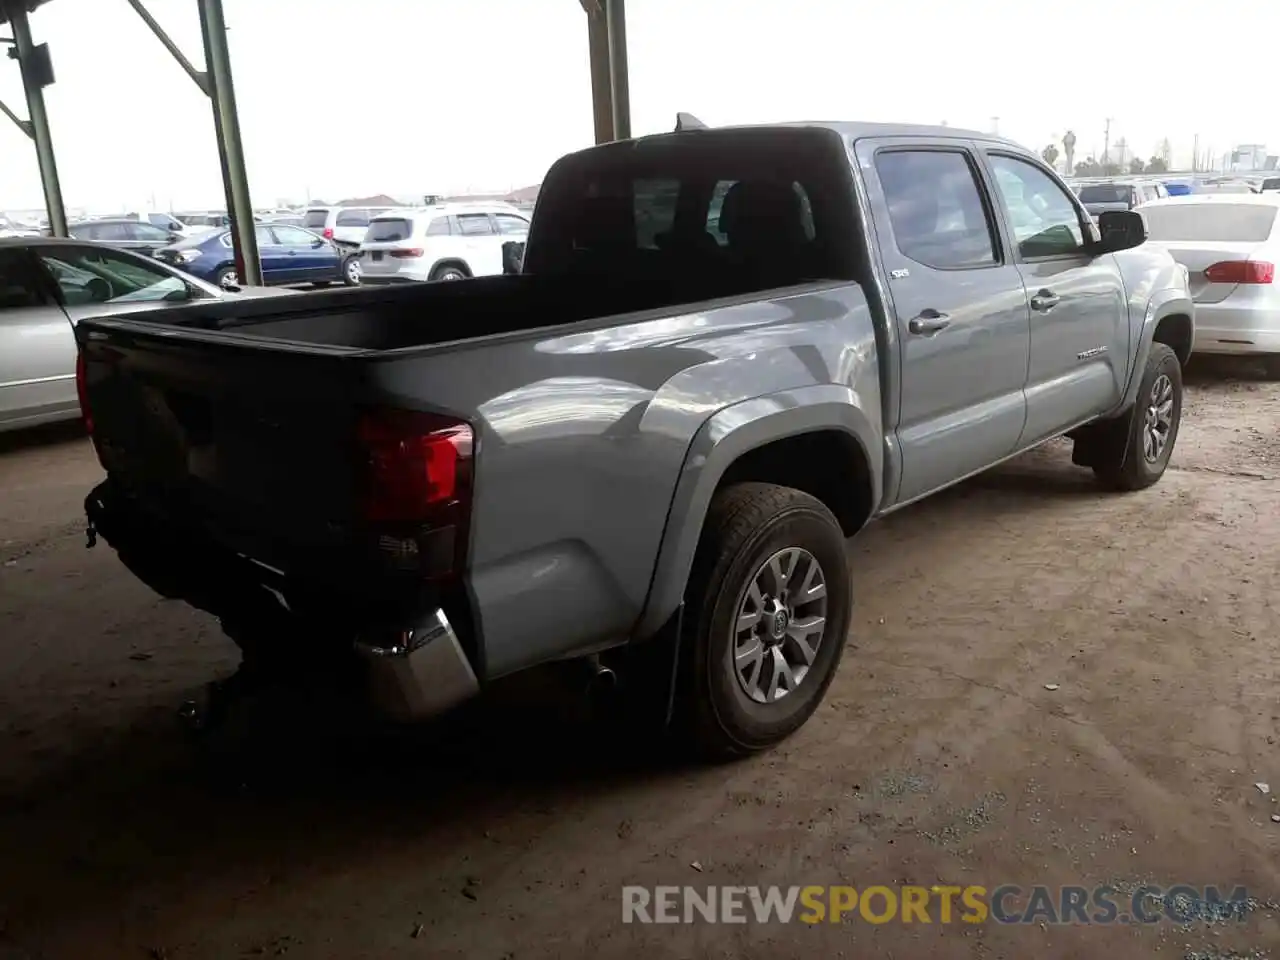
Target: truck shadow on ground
[
  {"x": 121, "y": 819},
  {"x": 34, "y": 438}
]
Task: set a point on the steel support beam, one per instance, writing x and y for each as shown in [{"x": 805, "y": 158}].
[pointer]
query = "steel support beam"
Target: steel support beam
[
  {"x": 200, "y": 78},
  {"x": 18, "y": 121},
  {"x": 37, "y": 125},
  {"x": 615, "y": 14},
  {"x": 610, "y": 91},
  {"x": 226, "y": 122},
  {"x": 601, "y": 86}
]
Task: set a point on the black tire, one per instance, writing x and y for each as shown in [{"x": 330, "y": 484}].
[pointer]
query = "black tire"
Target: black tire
[
  {"x": 1124, "y": 464},
  {"x": 746, "y": 525},
  {"x": 351, "y": 270},
  {"x": 226, "y": 278},
  {"x": 448, "y": 272},
  {"x": 1271, "y": 367}
]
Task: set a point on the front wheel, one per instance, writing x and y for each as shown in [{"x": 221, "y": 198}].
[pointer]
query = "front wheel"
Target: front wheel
[
  {"x": 351, "y": 270},
  {"x": 227, "y": 278},
  {"x": 769, "y": 602},
  {"x": 1140, "y": 454}
]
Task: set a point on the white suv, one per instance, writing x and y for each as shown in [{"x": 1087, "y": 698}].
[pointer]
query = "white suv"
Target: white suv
[
  {"x": 449, "y": 241},
  {"x": 342, "y": 225}
]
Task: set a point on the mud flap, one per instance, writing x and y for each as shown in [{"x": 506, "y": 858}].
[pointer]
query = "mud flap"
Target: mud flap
[{"x": 649, "y": 669}]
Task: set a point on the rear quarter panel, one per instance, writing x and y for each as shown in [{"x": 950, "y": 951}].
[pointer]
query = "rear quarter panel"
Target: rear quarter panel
[{"x": 583, "y": 435}]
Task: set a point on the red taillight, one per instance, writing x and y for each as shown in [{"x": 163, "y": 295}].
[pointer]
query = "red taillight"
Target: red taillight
[
  {"x": 327, "y": 233},
  {"x": 1241, "y": 271},
  {"x": 82, "y": 391},
  {"x": 407, "y": 253},
  {"x": 416, "y": 489},
  {"x": 416, "y": 464}
]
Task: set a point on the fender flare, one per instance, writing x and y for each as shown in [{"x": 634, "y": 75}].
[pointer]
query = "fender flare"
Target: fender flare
[
  {"x": 1163, "y": 303},
  {"x": 727, "y": 435}
]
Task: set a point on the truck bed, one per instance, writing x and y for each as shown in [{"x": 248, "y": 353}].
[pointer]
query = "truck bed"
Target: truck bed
[{"x": 420, "y": 315}]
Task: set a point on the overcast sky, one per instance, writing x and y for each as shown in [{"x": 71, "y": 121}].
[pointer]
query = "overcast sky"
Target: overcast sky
[{"x": 427, "y": 96}]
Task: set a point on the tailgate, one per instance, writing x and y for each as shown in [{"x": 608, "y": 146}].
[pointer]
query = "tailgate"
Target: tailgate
[{"x": 248, "y": 443}]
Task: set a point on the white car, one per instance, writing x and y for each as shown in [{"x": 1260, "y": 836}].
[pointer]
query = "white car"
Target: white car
[
  {"x": 344, "y": 225},
  {"x": 1230, "y": 245},
  {"x": 449, "y": 241},
  {"x": 48, "y": 284}
]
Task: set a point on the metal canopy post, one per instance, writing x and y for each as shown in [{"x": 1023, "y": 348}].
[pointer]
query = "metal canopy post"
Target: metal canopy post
[
  {"x": 610, "y": 91},
  {"x": 215, "y": 83},
  {"x": 37, "y": 125},
  {"x": 619, "y": 89},
  {"x": 226, "y": 122},
  {"x": 601, "y": 85}
]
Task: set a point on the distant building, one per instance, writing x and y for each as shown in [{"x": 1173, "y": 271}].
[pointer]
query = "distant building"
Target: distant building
[
  {"x": 380, "y": 200},
  {"x": 1249, "y": 156}
]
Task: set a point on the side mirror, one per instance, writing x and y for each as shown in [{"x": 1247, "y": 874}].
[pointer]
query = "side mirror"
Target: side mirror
[
  {"x": 317, "y": 243},
  {"x": 174, "y": 237},
  {"x": 1121, "y": 230},
  {"x": 512, "y": 257}
]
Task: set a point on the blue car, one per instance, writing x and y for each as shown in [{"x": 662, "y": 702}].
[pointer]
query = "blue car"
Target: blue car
[{"x": 289, "y": 254}]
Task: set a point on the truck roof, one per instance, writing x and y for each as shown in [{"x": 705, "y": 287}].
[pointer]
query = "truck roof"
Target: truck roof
[{"x": 850, "y": 129}]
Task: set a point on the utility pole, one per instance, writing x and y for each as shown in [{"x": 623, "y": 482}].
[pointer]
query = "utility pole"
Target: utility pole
[
  {"x": 1106, "y": 143},
  {"x": 1195, "y": 154},
  {"x": 995, "y": 125}
]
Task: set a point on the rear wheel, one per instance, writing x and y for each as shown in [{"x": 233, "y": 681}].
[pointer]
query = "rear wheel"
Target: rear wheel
[
  {"x": 448, "y": 272},
  {"x": 1137, "y": 452},
  {"x": 769, "y": 605},
  {"x": 351, "y": 270}
]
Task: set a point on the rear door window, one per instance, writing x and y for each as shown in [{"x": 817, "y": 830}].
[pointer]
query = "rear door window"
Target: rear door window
[
  {"x": 148, "y": 232},
  {"x": 111, "y": 232},
  {"x": 293, "y": 236},
  {"x": 475, "y": 225},
  {"x": 440, "y": 227},
  {"x": 936, "y": 208},
  {"x": 389, "y": 230}
]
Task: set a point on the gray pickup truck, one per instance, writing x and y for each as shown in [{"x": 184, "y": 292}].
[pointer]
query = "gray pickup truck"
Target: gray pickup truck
[{"x": 726, "y": 351}]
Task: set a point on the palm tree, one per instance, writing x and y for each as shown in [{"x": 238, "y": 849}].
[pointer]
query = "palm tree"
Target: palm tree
[
  {"x": 1069, "y": 146},
  {"x": 1050, "y": 154}
]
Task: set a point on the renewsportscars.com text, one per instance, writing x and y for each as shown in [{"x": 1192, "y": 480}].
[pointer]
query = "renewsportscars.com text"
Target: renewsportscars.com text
[{"x": 1005, "y": 904}]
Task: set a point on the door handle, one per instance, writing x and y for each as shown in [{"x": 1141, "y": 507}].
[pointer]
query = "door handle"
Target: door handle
[
  {"x": 928, "y": 323},
  {"x": 1045, "y": 301}
]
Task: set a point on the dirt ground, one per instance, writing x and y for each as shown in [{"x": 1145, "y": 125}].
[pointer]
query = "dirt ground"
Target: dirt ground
[{"x": 939, "y": 755}]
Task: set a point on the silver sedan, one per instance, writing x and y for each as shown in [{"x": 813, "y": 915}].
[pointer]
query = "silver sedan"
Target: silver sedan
[
  {"x": 1230, "y": 245},
  {"x": 46, "y": 286}
]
